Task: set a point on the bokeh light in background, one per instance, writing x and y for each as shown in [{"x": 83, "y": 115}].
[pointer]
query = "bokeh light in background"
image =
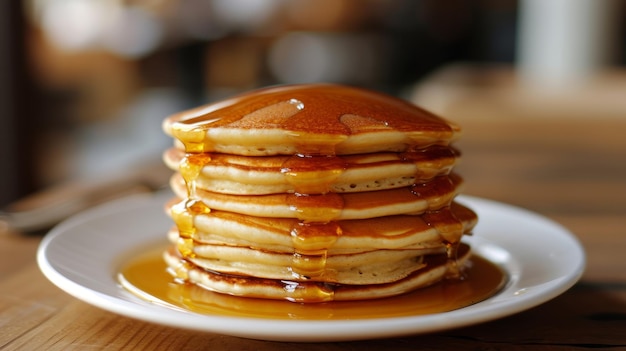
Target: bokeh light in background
[
  {"x": 102, "y": 74},
  {"x": 301, "y": 57},
  {"x": 82, "y": 25}
]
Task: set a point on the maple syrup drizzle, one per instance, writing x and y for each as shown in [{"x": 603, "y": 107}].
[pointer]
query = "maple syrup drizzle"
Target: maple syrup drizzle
[
  {"x": 311, "y": 242},
  {"x": 450, "y": 229},
  {"x": 146, "y": 276},
  {"x": 308, "y": 180},
  {"x": 315, "y": 167},
  {"x": 437, "y": 157},
  {"x": 296, "y": 110},
  {"x": 300, "y": 170}
]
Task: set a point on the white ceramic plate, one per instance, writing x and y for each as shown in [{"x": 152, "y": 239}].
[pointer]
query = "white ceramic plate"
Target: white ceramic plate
[{"x": 81, "y": 256}]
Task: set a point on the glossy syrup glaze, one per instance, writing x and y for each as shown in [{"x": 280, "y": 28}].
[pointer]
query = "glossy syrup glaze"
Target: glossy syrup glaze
[
  {"x": 413, "y": 199},
  {"x": 147, "y": 278},
  {"x": 427, "y": 162},
  {"x": 317, "y": 228},
  {"x": 317, "y": 119},
  {"x": 389, "y": 232}
]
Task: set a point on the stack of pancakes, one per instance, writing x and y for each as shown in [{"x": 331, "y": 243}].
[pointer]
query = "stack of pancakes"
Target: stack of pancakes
[{"x": 314, "y": 193}]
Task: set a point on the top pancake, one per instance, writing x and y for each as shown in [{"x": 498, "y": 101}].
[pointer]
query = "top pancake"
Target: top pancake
[{"x": 317, "y": 119}]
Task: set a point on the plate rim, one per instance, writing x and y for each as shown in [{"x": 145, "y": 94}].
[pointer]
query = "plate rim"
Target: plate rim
[{"x": 126, "y": 304}]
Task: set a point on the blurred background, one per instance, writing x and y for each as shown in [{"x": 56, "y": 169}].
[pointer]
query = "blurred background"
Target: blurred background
[{"x": 85, "y": 84}]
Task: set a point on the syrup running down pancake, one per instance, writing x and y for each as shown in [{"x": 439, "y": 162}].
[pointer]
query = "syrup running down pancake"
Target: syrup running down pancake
[
  {"x": 234, "y": 174},
  {"x": 315, "y": 193},
  {"x": 309, "y": 120}
]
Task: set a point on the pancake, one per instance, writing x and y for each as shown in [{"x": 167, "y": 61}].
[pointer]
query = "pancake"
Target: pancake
[
  {"x": 373, "y": 267},
  {"x": 340, "y": 237},
  {"x": 239, "y": 175},
  {"x": 309, "y": 119},
  {"x": 432, "y": 269},
  {"x": 414, "y": 199}
]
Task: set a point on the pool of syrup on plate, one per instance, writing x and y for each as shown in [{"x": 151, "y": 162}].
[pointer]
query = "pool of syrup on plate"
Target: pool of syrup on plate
[{"x": 146, "y": 277}]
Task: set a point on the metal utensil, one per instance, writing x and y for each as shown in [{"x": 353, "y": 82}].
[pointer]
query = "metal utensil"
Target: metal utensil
[{"x": 41, "y": 211}]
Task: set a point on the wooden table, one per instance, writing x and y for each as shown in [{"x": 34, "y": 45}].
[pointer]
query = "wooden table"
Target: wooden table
[{"x": 572, "y": 170}]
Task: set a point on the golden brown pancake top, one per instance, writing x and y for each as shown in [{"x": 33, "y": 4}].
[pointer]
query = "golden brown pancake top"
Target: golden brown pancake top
[{"x": 324, "y": 114}]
